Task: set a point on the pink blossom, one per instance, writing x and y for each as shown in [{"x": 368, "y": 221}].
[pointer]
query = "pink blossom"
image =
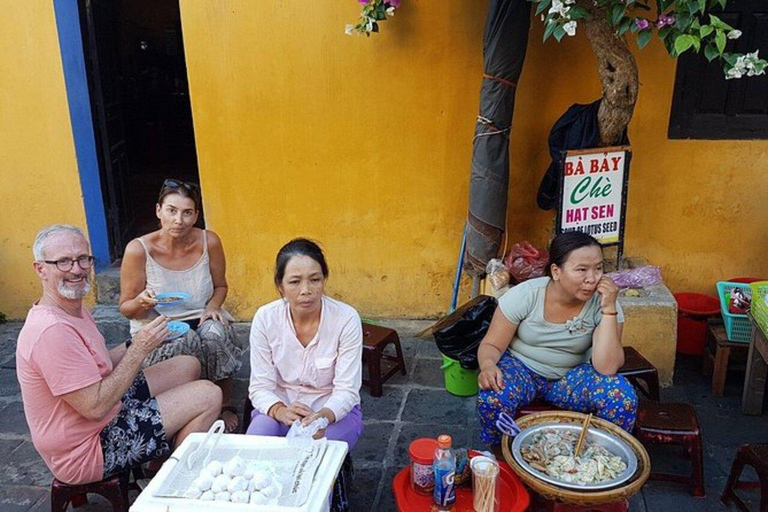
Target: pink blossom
[
  {"x": 363, "y": 2},
  {"x": 665, "y": 21},
  {"x": 393, "y": 3},
  {"x": 642, "y": 24}
]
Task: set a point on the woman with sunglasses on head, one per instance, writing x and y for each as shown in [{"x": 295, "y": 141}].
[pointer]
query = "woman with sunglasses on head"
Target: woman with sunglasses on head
[
  {"x": 180, "y": 257},
  {"x": 306, "y": 352},
  {"x": 557, "y": 338}
]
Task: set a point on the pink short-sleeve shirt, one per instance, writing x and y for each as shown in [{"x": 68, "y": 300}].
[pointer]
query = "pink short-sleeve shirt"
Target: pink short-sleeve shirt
[{"x": 56, "y": 354}]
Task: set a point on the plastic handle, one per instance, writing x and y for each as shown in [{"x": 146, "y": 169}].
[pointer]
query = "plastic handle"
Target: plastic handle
[
  {"x": 216, "y": 429},
  {"x": 447, "y": 364}
]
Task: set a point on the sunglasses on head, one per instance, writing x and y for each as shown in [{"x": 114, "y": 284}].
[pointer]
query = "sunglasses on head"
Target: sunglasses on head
[{"x": 174, "y": 184}]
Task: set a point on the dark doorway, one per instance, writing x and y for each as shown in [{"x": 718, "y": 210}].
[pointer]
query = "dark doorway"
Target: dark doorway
[{"x": 137, "y": 79}]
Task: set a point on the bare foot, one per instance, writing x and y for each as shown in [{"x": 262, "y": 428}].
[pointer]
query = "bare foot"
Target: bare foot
[{"x": 231, "y": 419}]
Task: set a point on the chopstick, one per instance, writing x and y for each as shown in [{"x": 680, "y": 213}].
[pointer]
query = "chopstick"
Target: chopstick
[{"x": 583, "y": 436}]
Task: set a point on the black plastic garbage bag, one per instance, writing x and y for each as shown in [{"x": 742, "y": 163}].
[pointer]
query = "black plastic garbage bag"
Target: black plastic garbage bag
[{"x": 459, "y": 334}]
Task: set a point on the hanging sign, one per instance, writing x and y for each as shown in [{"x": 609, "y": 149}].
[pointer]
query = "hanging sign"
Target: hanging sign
[{"x": 593, "y": 193}]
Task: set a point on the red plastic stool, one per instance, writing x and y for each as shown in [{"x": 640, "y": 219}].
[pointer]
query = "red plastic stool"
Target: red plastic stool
[
  {"x": 673, "y": 423},
  {"x": 114, "y": 489},
  {"x": 620, "y": 506},
  {"x": 375, "y": 340},
  {"x": 755, "y": 455}
]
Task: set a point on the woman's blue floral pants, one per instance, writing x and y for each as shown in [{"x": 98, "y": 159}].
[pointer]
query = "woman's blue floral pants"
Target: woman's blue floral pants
[{"x": 582, "y": 389}]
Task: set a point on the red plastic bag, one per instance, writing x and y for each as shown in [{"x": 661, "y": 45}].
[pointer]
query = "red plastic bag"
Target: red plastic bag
[{"x": 525, "y": 261}]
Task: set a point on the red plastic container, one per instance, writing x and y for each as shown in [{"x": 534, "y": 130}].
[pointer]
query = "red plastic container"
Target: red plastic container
[
  {"x": 693, "y": 310},
  {"x": 513, "y": 496},
  {"x": 422, "y": 477}
]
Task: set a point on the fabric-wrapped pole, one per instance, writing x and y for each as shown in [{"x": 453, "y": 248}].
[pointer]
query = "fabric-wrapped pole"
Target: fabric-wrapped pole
[{"x": 504, "y": 46}]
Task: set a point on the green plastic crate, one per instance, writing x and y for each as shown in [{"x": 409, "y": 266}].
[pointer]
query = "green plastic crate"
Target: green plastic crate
[{"x": 759, "y": 306}]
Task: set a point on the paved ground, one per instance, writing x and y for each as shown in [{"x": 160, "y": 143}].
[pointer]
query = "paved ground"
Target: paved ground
[{"x": 413, "y": 406}]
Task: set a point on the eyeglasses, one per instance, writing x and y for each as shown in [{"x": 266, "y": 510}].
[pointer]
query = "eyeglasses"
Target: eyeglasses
[{"x": 66, "y": 264}]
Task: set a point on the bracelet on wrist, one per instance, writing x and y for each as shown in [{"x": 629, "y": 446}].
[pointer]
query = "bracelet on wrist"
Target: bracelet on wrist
[{"x": 128, "y": 343}]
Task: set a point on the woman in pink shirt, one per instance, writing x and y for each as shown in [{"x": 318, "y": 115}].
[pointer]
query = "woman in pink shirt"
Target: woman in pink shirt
[{"x": 306, "y": 351}]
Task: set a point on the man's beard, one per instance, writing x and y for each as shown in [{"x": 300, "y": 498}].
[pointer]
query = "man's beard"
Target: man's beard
[{"x": 74, "y": 294}]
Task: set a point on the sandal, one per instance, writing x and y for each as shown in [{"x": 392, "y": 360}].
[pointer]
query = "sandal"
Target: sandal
[{"x": 235, "y": 429}]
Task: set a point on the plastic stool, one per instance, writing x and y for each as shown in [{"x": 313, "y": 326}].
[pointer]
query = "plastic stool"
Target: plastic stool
[
  {"x": 375, "y": 340},
  {"x": 673, "y": 423},
  {"x": 755, "y": 455},
  {"x": 114, "y": 489}
]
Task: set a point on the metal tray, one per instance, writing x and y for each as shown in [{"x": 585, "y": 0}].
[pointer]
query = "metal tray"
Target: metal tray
[{"x": 611, "y": 443}]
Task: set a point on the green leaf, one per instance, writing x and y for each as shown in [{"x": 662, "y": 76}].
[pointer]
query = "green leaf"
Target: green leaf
[
  {"x": 643, "y": 38},
  {"x": 730, "y": 58},
  {"x": 720, "y": 41},
  {"x": 617, "y": 13},
  {"x": 578, "y": 13},
  {"x": 683, "y": 21},
  {"x": 722, "y": 3},
  {"x": 710, "y": 52},
  {"x": 549, "y": 29},
  {"x": 625, "y": 25},
  {"x": 695, "y": 24},
  {"x": 705, "y": 30},
  {"x": 696, "y": 44},
  {"x": 559, "y": 33},
  {"x": 718, "y": 23},
  {"x": 541, "y": 7},
  {"x": 682, "y": 43}
]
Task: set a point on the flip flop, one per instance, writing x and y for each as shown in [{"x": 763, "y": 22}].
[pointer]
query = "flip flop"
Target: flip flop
[{"x": 236, "y": 428}]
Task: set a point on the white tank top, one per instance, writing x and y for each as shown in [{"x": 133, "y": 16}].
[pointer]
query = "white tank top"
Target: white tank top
[{"x": 196, "y": 281}]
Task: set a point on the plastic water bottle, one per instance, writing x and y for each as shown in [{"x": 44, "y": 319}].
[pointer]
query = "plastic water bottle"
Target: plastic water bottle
[{"x": 445, "y": 471}]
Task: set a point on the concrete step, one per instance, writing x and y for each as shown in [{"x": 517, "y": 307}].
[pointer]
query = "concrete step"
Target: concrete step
[
  {"x": 112, "y": 325},
  {"x": 108, "y": 286}
]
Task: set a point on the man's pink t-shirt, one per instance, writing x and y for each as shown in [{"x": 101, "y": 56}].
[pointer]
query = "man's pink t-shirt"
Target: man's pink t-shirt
[{"x": 56, "y": 354}]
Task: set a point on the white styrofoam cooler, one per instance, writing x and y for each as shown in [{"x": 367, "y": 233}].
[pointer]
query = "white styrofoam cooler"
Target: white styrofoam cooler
[{"x": 319, "y": 494}]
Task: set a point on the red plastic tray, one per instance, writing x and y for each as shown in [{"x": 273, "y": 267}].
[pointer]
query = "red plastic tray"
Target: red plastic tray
[{"x": 513, "y": 496}]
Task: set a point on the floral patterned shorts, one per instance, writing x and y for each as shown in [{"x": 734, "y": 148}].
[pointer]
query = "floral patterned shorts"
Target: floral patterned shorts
[{"x": 136, "y": 434}]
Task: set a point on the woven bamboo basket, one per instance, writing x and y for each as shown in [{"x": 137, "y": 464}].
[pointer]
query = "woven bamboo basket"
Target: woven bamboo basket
[{"x": 570, "y": 496}]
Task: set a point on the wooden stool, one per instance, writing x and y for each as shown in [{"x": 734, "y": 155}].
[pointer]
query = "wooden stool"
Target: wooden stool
[
  {"x": 114, "y": 489},
  {"x": 718, "y": 364},
  {"x": 375, "y": 340},
  {"x": 755, "y": 455},
  {"x": 673, "y": 423},
  {"x": 638, "y": 369}
]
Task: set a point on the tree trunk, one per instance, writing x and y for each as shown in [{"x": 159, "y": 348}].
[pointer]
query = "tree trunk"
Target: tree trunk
[{"x": 618, "y": 75}]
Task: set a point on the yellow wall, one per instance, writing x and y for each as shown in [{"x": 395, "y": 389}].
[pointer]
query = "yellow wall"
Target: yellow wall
[
  {"x": 364, "y": 144},
  {"x": 39, "y": 182}
]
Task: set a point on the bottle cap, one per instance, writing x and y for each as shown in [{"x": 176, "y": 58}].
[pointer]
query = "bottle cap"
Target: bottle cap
[{"x": 444, "y": 441}]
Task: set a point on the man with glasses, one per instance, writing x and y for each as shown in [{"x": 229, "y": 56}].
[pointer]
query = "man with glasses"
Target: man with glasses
[{"x": 92, "y": 412}]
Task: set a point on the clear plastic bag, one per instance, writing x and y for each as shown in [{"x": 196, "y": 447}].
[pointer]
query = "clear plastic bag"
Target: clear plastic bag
[
  {"x": 299, "y": 431},
  {"x": 498, "y": 276},
  {"x": 639, "y": 277}
]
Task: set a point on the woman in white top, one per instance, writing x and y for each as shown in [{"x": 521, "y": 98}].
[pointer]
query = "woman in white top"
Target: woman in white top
[
  {"x": 182, "y": 258},
  {"x": 306, "y": 351}
]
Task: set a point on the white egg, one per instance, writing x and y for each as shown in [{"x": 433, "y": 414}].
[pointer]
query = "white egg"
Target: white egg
[
  {"x": 203, "y": 482},
  {"x": 261, "y": 479},
  {"x": 220, "y": 483},
  {"x": 271, "y": 492},
  {"x": 237, "y": 484},
  {"x": 235, "y": 467},
  {"x": 207, "y": 496},
  {"x": 258, "y": 499},
  {"x": 193, "y": 493},
  {"x": 223, "y": 496},
  {"x": 214, "y": 468},
  {"x": 241, "y": 497}
]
